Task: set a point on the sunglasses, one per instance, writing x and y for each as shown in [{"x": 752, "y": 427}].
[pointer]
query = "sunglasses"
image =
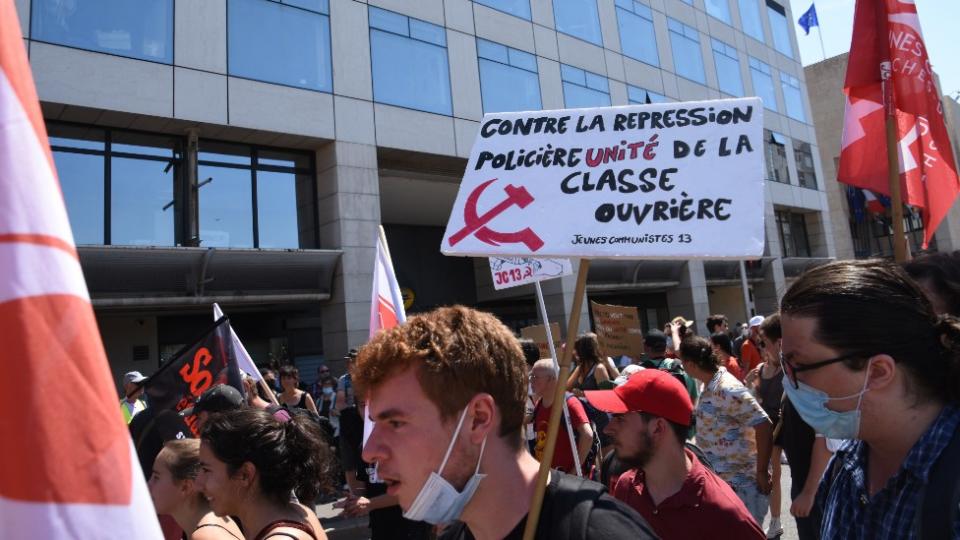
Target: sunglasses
[{"x": 792, "y": 368}]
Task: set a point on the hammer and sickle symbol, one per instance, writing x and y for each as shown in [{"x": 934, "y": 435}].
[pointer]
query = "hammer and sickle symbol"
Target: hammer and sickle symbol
[{"x": 477, "y": 224}]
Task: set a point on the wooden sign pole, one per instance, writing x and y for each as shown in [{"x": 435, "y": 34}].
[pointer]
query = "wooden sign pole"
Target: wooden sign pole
[{"x": 533, "y": 517}]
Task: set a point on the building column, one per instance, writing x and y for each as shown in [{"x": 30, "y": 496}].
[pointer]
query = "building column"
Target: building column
[
  {"x": 348, "y": 203},
  {"x": 766, "y": 295},
  {"x": 690, "y": 299},
  {"x": 558, "y": 298}
]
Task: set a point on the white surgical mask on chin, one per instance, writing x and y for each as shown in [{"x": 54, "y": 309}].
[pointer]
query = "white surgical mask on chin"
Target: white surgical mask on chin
[{"x": 439, "y": 502}]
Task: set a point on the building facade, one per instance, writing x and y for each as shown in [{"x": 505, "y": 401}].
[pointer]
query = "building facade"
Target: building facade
[
  {"x": 860, "y": 234},
  {"x": 245, "y": 151}
]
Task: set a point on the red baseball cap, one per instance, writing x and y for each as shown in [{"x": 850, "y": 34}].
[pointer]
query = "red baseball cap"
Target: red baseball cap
[{"x": 651, "y": 391}]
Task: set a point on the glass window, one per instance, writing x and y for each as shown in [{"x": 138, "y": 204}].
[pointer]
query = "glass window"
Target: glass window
[
  {"x": 81, "y": 180},
  {"x": 578, "y": 18},
  {"x": 687, "y": 58},
  {"x": 277, "y": 209},
  {"x": 779, "y": 28},
  {"x": 806, "y": 173},
  {"x": 518, "y": 8},
  {"x": 775, "y": 152},
  {"x": 792, "y": 97},
  {"x": 508, "y": 78},
  {"x": 141, "y": 203},
  {"x": 141, "y": 30},
  {"x": 280, "y": 44},
  {"x": 760, "y": 73},
  {"x": 277, "y": 188},
  {"x": 719, "y": 9},
  {"x": 793, "y": 234},
  {"x": 410, "y": 66},
  {"x": 750, "y": 19},
  {"x": 583, "y": 89},
  {"x": 727, "y": 61},
  {"x": 226, "y": 207},
  {"x": 641, "y": 96},
  {"x": 118, "y": 186},
  {"x": 637, "y": 38}
]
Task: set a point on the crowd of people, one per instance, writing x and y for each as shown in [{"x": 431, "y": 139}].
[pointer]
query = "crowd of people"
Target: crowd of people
[{"x": 854, "y": 383}]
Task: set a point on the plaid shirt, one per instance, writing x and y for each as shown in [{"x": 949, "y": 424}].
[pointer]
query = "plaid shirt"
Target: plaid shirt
[{"x": 849, "y": 511}]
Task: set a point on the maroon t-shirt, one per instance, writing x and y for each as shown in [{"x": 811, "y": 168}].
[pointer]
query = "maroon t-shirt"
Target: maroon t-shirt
[
  {"x": 562, "y": 454},
  {"x": 704, "y": 507}
]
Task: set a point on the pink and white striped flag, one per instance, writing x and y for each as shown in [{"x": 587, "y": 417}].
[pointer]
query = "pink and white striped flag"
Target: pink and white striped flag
[
  {"x": 386, "y": 307},
  {"x": 68, "y": 469}
]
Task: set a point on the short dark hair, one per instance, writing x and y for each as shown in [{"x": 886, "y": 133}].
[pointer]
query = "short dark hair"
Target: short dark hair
[
  {"x": 722, "y": 340},
  {"x": 531, "y": 352},
  {"x": 942, "y": 272},
  {"x": 698, "y": 350},
  {"x": 680, "y": 432},
  {"x": 289, "y": 370},
  {"x": 714, "y": 321},
  {"x": 771, "y": 327}
]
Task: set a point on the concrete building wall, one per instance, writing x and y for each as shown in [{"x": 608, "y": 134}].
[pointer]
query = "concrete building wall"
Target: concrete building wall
[{"x": 347, "y": 129}]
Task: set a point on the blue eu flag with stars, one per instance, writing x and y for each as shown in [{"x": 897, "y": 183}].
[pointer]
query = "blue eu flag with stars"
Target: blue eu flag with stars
[{"x": 809, "y": 19}]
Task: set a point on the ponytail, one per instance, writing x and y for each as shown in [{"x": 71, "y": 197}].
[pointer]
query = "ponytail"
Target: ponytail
[
  {"x": 698, "y": 350},
  {"x": 288, "y": 451}
]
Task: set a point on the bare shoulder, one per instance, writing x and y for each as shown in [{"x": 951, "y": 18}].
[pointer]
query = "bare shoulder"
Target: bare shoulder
[
  {"x": 220, "y": 530},
  {"x": 310, "y": 518}
]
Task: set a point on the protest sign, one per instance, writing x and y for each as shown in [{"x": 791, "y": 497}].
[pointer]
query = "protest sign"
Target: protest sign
[
  {"x": 538, "y": 334},
  {"x": 209, "y": 361},
  {"x": 618, "y": 330},
  {"x": 515, "y": 271},
  {"x": 670, "y": 180}
]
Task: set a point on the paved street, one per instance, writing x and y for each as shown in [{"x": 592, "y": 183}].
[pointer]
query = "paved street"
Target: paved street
[{"x": 356, "y": 529}]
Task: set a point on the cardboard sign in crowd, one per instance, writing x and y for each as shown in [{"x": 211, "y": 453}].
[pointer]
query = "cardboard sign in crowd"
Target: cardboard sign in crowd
[
  {"x": 669, "y": 180},
  {"x": 618, "y": 330}
]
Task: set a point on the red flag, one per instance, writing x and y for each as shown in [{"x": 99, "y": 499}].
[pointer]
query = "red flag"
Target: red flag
[
  {"x": 887, "y": 41},
  {"x": 68, "y": 469}
]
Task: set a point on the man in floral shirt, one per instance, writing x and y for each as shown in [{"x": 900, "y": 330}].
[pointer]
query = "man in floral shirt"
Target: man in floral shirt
[{"x": 732, "y": 429}]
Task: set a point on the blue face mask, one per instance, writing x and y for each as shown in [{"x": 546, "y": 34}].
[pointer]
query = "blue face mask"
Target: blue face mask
[{"x": 811, "y": 405}]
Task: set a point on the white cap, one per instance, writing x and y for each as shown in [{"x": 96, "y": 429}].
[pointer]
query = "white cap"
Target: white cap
[
  {"x": 756, "y": 320},
  {"x": 133, "y": 377}
]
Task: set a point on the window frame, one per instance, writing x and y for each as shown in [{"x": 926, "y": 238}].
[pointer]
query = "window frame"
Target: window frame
[
  {"x": 446, "y": 56},
  {"x": 684, "y": 33},
  {"x": 177, "y": 162},
  {"x": 599, "y": 27},
  {"x": 734, "y": 56},
  {"x": 510, "y": 64},
  {"x": 634, "y": 6},
  {"x": 586, "y": 84},
  {"x": 329, "y": 46}
]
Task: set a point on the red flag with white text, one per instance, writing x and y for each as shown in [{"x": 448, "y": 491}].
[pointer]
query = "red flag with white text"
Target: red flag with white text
[
  {"x": 887, "y": 41},
  {"x": 68, "y": 469}
]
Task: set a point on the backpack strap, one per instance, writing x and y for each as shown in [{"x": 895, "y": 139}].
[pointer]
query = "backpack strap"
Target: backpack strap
[
  {"x": 935, "y": 516},
  {"x": 573, "y": 500}
]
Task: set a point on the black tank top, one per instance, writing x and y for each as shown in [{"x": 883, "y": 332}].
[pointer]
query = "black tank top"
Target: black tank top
[{"x": 770, "y": 394}]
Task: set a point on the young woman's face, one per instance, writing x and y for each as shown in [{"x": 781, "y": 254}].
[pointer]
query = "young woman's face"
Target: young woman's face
[
  {"x": 165, "y": 491},
  {"x": 289, "y": 383},
  {"x": 216, "y": 484}
]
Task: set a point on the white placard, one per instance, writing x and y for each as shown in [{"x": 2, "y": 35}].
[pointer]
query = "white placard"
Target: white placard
[
  {"x": 670, "y": 180},
  {"x": 515, "y": 271}
]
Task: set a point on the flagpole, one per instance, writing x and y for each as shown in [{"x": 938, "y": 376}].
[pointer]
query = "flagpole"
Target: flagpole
[
  {"x": 893, "y": 167},
  {"x": 823, "y": 50},
  {"x": 556, "y": 364},
  {"x": 533, "y": 517}
]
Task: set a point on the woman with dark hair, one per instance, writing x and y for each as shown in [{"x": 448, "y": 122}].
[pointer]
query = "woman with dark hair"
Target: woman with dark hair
[
  {"x": 252, "y": 464},
  {"x": 723, "y": 346},
  {"x": 732, "y": 429},
  {"x": 867, "y": 358},
  {"x": 174, "y": 491},
  {"x": 591, "y": 367},
  {"x": 292, "y": 395}
]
